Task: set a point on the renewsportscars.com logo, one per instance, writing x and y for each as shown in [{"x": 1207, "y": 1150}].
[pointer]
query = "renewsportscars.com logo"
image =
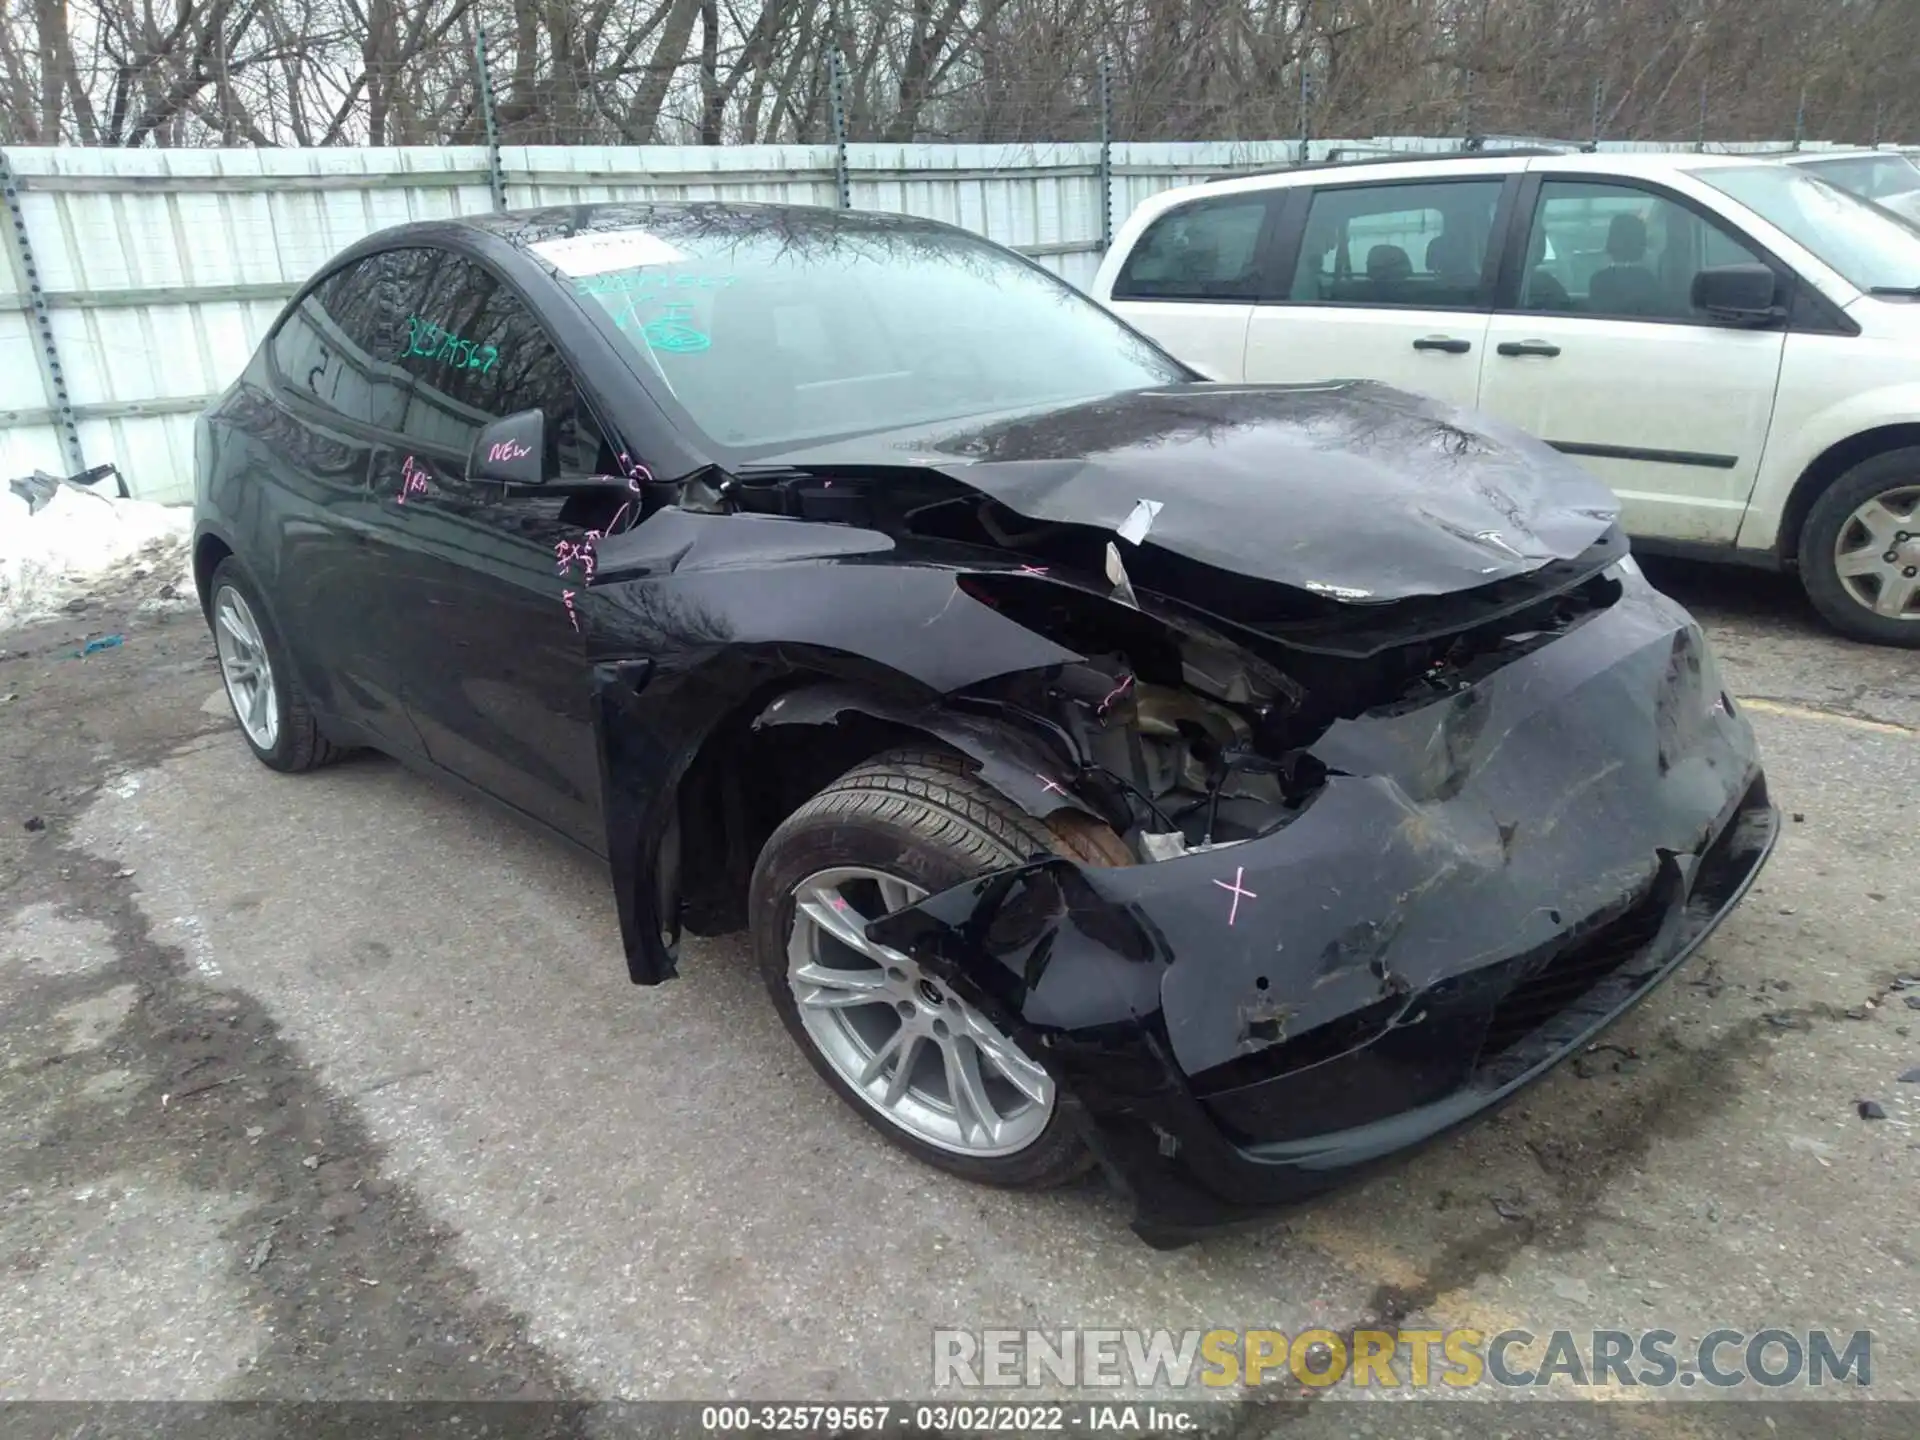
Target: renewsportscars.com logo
[{"x": 1396, "y": 1359}]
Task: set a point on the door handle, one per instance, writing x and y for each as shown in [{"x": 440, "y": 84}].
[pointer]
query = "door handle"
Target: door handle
[
  {"x": 1443, "y": 342},
  {"x": 1527, "y": 347}
]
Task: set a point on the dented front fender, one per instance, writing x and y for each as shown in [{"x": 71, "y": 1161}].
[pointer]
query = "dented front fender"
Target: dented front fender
[{"x": 695, "y": 617}]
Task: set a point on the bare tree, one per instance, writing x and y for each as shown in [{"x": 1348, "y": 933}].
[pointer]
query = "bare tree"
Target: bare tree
[{"x": 332, "y": 72}]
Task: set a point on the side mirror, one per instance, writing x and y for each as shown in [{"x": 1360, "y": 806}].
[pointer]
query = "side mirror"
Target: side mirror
[
  {"x": 1737, "y": 294},
  {"x": 511, "y": 451}
]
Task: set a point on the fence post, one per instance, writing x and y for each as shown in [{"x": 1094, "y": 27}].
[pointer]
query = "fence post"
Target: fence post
[
  {"x": 1106, "y": 154},
  {"x": 483, "y": 78},
  {"x": 26, "y": 275},
  {"x": 837, "y": 114},
  {"x": 1306, "y": 108},
  {"x": 1702, "y": 146},
  {"x": 1800, "y": 119},
  {"x": 1599, "y": 99},
  {"x": 1876, "y": 124},
  {"x": 1467, "y": 141}
]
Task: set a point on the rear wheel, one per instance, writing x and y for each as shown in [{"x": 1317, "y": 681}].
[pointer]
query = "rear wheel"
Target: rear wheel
[
  {"x": 267, "y": 700},
  {"x": 1860, "y": 550},
  {"x": 928, "y": 1070}
]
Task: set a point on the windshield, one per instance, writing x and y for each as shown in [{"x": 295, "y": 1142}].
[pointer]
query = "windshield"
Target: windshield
[
  {"x": 771, "y": 329},
  {"x": 1869, "y": 247},
  {"x": 1874, "y": 176}
]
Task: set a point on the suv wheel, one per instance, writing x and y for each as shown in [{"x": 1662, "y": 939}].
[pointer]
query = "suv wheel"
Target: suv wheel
[
  {"x": 265, "y": 694},
  {"x": 927, "y": 1069},
  {"x": 1860, "y": 550}
]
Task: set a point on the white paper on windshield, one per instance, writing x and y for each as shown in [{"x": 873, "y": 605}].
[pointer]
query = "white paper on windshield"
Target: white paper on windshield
[
  {"x": 606, "y": 250},
  {"x": 1134, "y": 528}
]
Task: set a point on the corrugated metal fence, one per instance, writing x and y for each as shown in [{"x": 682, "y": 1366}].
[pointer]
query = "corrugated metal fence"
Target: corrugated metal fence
[{"x": 139, "y": 281}]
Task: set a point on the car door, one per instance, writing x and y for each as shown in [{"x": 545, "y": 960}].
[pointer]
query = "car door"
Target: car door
[
  {"x": 1596, "y": 348},
  {"x": 483, "y": 584},
  {"x": 1389, "y": 280},
  {"x": 336, "y": 384},
  {"x": 1190, "y": 279}
]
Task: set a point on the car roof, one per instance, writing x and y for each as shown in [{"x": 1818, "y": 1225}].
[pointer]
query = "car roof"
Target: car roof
[
  {"x": 524, "y": 228},
  {"x": 1648, "y": 163},
  {"x": 1398, "y": 157}
]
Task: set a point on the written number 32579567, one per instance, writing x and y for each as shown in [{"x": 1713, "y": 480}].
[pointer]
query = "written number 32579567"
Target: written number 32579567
[{"x": 437, "y": 343}]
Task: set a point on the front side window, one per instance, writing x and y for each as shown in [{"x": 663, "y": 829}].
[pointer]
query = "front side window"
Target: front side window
[
  {"x": 767, "y": 329},
  {"x": 1868, "y": 247},
  {"x": 426, "y": 343},
  {"x": 1620, "y": 252},
  {"x": 476, "y": 354},
  {"x": 1423, "y": 246},
  {"x": 1208, "y": 250}
]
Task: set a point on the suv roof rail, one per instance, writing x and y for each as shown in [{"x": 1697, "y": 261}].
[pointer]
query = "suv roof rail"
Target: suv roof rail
[{"x": 1400, "y": 157}]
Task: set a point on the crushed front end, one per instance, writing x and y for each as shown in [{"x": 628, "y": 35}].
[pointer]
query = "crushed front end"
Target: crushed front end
[{"x": 1353, "y": 946}]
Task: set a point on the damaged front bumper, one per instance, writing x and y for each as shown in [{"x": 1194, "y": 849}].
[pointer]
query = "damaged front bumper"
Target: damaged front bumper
[{"x": 1483, "y": 884}]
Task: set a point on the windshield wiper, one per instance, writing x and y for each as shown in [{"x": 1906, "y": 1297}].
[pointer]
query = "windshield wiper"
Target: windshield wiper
[{"x": 1911, "y": 292}]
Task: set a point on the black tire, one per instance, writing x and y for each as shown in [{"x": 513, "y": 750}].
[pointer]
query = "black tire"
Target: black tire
[
  {"x": 298, "y": 743},
  {"x": 1877, "y": 475},
  {"x": 923, "y": 816}
]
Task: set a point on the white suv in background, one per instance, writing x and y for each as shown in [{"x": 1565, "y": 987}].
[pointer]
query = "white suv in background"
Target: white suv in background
[{"x": 1732, "y": 344}]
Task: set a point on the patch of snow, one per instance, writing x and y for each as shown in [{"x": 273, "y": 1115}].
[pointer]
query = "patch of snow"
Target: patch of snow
[{"x": 78, "y": 539}]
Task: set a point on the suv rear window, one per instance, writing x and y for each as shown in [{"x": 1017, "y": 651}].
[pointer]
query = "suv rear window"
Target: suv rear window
[{"x": 1207, "y": 250}]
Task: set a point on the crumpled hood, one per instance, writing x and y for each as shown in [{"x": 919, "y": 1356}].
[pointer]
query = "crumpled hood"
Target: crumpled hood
[{"x": 1350, "y": 489}]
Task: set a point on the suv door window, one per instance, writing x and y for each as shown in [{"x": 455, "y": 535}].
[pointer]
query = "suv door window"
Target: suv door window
[
  {"x": 1422, "y": 246},
  {"x": 1618, "y": 251},
  {"x": 476, "y": 354},
  {"x": 1208, "y": 250},
  {"x": 340, "y": 346}
]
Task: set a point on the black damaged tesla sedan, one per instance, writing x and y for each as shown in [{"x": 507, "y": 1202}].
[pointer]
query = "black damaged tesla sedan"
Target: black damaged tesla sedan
[{"x": 1227, "y": 785}]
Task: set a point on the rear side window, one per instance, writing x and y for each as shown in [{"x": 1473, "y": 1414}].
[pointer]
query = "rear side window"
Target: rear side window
[
  {"x": 341, "y": 346},
  {"x": 1208, "y": 250},
  {"x": 1423, "y": 246}
]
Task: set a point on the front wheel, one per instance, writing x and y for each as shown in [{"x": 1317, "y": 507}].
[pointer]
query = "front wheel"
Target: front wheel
[
  {"x": 1860, "y": 550},
  {"x": 928, "y": 1070}
]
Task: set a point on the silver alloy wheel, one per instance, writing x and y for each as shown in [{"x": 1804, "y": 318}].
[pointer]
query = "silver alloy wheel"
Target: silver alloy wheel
[
  {"x": 909, "y": 1047},
  {"x": 1877, "y": 554},
  {"x": 244, "y": 666}
]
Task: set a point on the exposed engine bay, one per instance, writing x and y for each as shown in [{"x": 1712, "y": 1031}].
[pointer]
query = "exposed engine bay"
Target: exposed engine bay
[
  {"x": 1192, "y": 727},
  {"x": 1195, "y": 756}
]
